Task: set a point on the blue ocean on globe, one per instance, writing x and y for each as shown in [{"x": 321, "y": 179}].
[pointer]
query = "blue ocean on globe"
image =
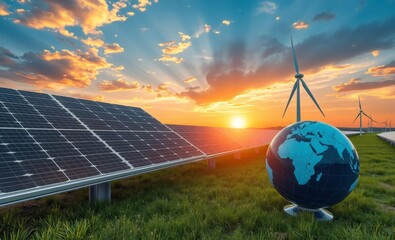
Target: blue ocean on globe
[{"x": 312, "y": 164}]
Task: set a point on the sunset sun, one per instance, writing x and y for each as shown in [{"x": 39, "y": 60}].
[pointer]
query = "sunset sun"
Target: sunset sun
[{"x": 238, "y": 122}]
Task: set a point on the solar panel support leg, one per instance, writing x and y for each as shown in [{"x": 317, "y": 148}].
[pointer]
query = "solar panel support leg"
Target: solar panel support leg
[
  {"x": 211, "y": 163},
  {"x": 100, "y": 192}
]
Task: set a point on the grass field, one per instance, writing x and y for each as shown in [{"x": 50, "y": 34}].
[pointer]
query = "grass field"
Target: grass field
[{"x": 233, "y": 201}]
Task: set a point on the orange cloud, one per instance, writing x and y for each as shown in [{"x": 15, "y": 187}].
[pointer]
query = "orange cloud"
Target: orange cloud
[
  {"x": 357, "y": 84},
  {"x": 112, "y": 48},
  {"x": 165, "y": 44},
  {"x": 168, "y": 58},
  {"x": 300, "y": 25},
  {"x": 88, "y": 14},
  {"x": 108, "y": 48},
  {"x": 162, "y": 90},
  {"x": 117, "y": 85},
  {"x": 184, "y": 36},
  {"x": 382, "y": 70},
  {"x": 173, "y": 49},
  {"x": 93, "y": 42},
  {"x": 56, "y": 69},
  {"x": 375, "y": 53},
  {"x": 119, "y": 68},
  {"x": 4, "y": 10},
  {"x": 99, "y": 98},
  {"x": 190, "y": 79},
  {"x": 142, "y": 5}
]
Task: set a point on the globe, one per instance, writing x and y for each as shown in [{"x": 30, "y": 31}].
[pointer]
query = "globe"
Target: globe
[{"x": 313, "y": 165}]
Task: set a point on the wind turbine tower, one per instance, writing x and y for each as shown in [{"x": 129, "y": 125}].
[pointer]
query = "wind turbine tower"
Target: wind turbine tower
[
  {"x": 299, "y": 80},
  {"x": 361, "y": 112}
]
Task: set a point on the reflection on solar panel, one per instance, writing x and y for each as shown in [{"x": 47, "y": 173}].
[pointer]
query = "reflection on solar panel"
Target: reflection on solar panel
[
  {"x": 208, "y": 139},
  {"x": 50, "y": 144}
]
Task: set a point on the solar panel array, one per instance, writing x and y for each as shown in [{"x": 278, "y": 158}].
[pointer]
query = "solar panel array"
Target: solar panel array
[
  {"x": 208, "y": 139},
  {"x": 47, "y": 140}
]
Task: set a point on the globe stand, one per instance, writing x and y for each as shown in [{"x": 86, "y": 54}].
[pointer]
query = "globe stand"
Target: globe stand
[{"x": 319, "y": 214}]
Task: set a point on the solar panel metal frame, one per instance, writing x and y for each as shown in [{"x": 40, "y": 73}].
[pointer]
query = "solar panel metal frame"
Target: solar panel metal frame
[{"x": 13, "y": 197}]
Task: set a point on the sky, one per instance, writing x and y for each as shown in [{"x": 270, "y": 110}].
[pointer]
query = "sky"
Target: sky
[{"x": 206, "y": 62}]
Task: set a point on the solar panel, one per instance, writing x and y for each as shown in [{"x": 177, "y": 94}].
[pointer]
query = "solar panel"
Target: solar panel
[
  {"x": 53, "y": 143},
  {"x": 208, "y": 139}
]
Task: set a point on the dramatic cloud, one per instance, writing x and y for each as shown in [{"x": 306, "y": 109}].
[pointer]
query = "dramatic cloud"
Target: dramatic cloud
[
  {"x": 267, "y": 7},
  {"x": 112, "y": 48},
  {"x": 53, "y": 69},
  {"x": 324, "y": 16},
  {"x": 228, "y": 76},
  {"x": 117, "y": 85},
  {"x": 7, "y": 58},
  {"x": 98, "y": 43},
  {"x": 382, "y": 70},
  {"x": 57, "y": 15},
  {"x": 162, "y": 90},
  {"x": 357, "y": 84},
  {"x": 4, "y": 10},
  {"x": 168, "y": 58},
  {"x": 93, "y": 42},
  {"x": 142, "y": 5},
  {"x": 174, "y": 48},
  {"x": 226, "y": 22},
  {"x": 184, "y": 37},
  {"x": 300, "y": 25},
  {"x": 119, "y": 68},
  {"x": 190, "y": 79}
]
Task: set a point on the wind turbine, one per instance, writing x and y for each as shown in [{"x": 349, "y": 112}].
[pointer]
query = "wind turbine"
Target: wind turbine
[
  {"x": 299, "y": 80},
  {"x": 387, "y": 124},
  {"x": 361, "y": 112},
  {"x": 371, "y": 123}
]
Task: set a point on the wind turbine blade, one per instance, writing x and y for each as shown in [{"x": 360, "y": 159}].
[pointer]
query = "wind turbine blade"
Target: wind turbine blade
[
  {"x": 290, "y": 97},
  {"x": 356, "y": 117},
  {"x": 367, "y": 116},
  {"x": 359, "y": 100},
  {"x": 294, "y": 57},
  {"x": 311, "y": 95}
]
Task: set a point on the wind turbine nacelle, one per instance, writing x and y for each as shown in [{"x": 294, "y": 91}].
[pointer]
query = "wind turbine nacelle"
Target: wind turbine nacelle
[{"x": 299, "y": 75}]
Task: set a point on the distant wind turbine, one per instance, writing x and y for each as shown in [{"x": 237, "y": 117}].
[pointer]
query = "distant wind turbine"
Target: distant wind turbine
[
  {"x": 299, "y": 80},
  {"x": 370, "y": 122},
  {"x": 361, "y": 112},
  {"x": 387, "y": 125}
]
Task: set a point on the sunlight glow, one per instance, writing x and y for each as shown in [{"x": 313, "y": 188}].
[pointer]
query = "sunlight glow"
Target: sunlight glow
[{"x": 238, "y": 122}]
